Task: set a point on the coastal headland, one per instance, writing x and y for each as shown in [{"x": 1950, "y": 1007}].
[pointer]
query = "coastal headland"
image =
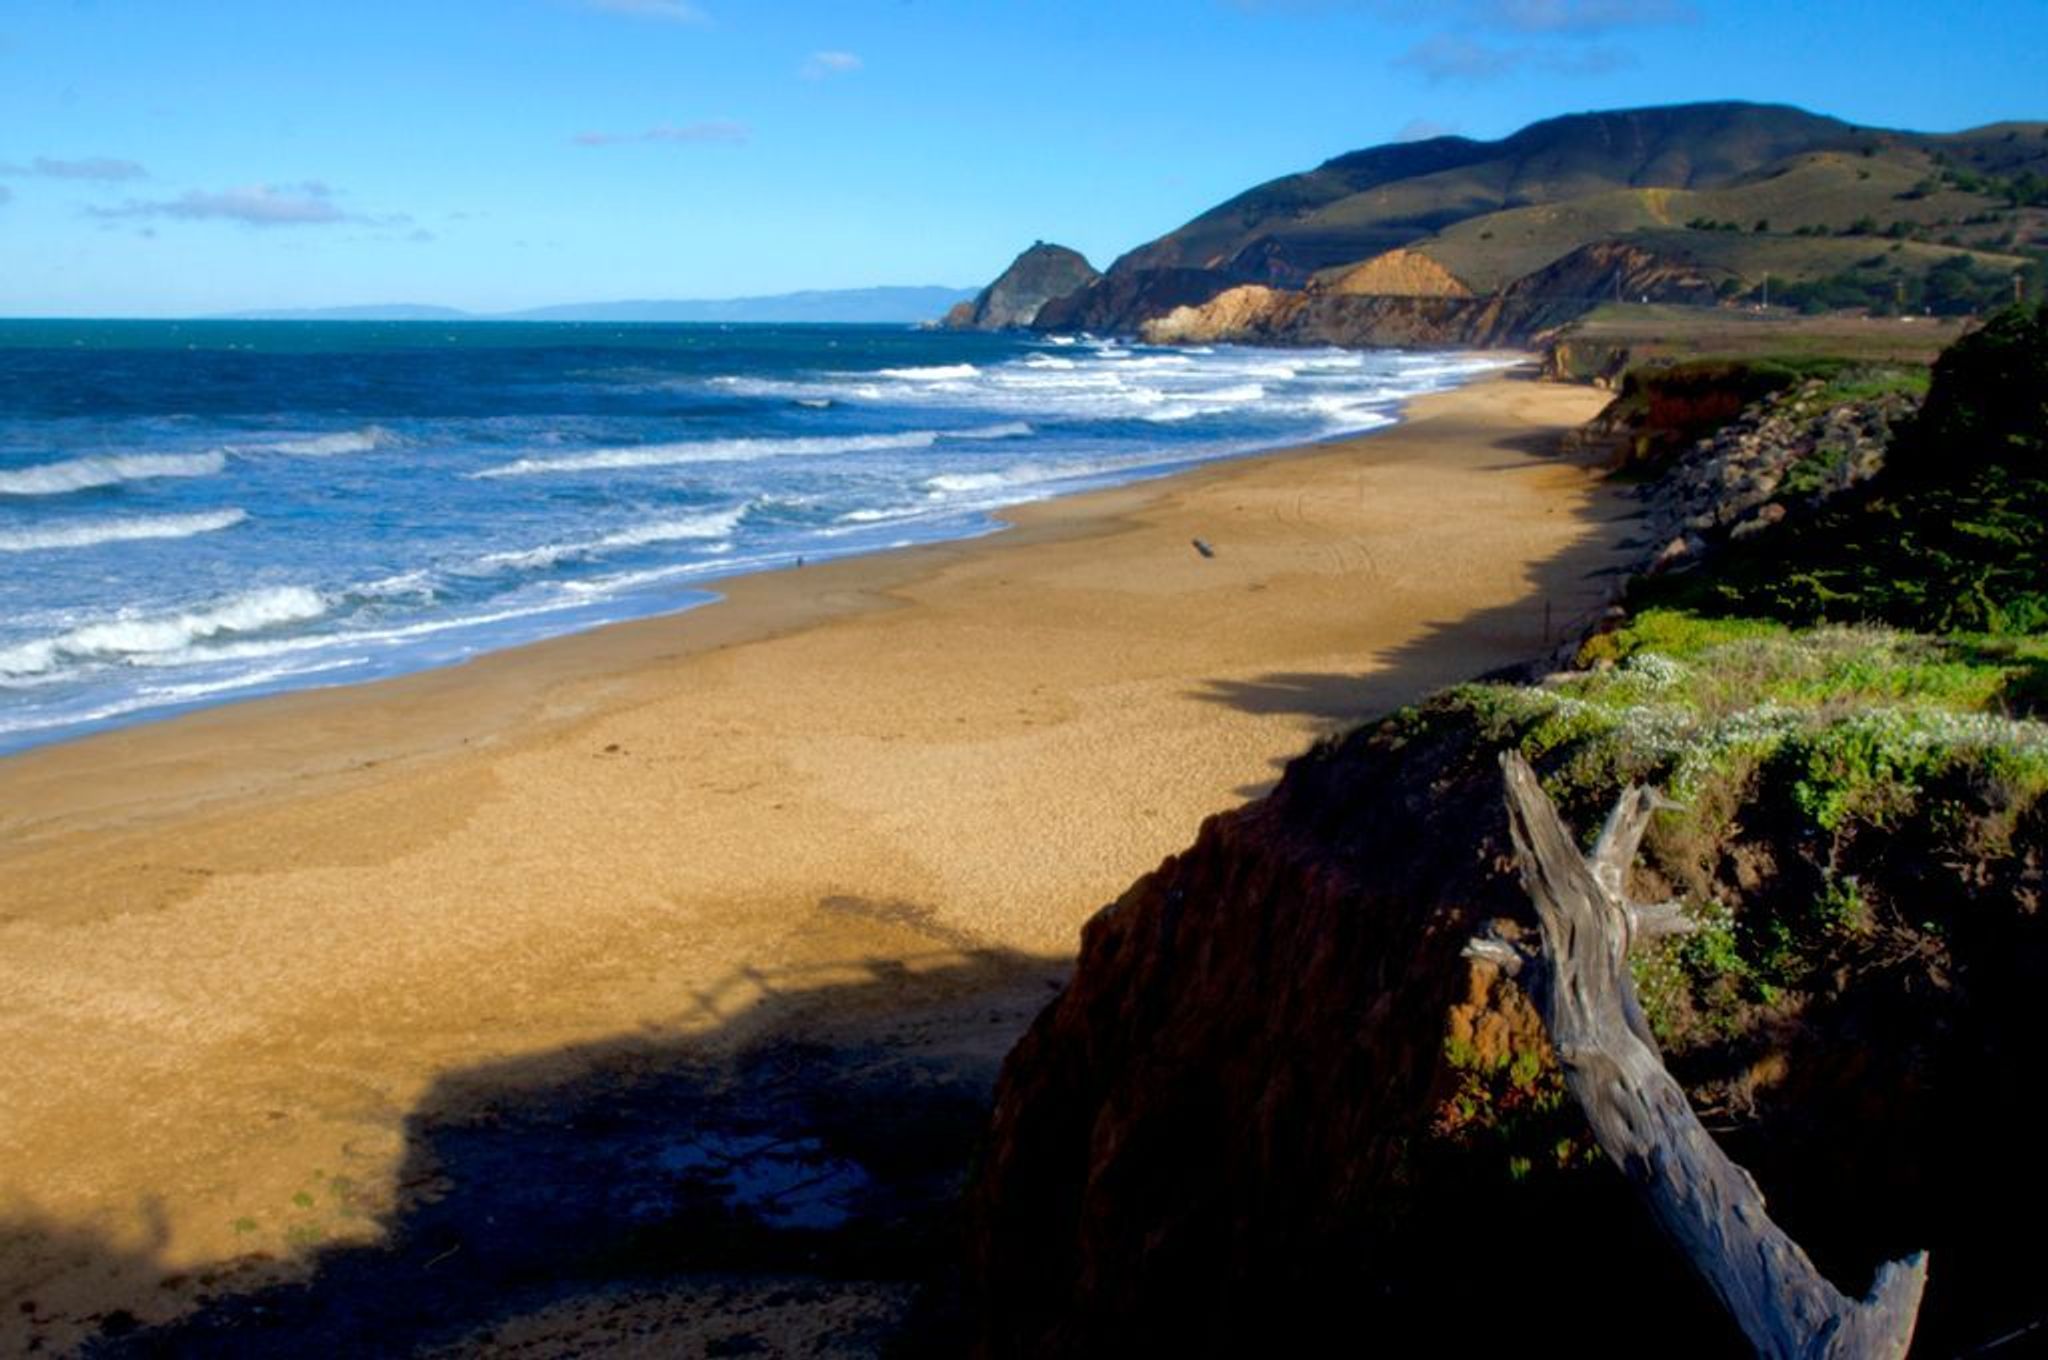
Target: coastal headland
[{"x": 250, "y": 958}]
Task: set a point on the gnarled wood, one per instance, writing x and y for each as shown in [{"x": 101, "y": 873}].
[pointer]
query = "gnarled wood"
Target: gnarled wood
[{"x": 1710, "y": 1207}]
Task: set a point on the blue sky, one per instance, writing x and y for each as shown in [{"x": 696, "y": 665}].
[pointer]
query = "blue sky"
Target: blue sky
[{"x": 171, "y": 157}]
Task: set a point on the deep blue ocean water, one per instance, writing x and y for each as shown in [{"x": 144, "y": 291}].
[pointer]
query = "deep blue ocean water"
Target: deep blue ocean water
[{"x": 198, "y": 511}]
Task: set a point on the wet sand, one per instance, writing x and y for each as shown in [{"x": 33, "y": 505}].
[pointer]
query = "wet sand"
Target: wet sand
[{"x": 240, "y": 948}]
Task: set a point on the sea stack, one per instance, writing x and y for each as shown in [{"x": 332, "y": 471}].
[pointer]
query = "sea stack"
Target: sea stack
[{"x": 1039, "y": 275}]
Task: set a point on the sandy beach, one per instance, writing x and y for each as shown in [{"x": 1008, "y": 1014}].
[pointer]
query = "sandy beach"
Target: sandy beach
[{"x": 242, "y": 951}]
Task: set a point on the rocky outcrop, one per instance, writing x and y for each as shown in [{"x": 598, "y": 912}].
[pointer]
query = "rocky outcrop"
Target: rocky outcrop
[
  {"x": 1014, "y": 300},
  {"x": 1237, "y": 314},
  {"x": 1117, "y": 303},
  {"x": 1610, "y": 270},
  {"x": 1779, "y": 458},
  {"x": 1404, "y": 298},
  {"x": 1255, "y": 315},
  {"x": 1397, "y": 273}
]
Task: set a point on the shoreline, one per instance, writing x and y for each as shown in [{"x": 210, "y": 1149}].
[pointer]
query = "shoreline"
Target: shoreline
[
  {"x": 763, "y": 611},
  {"x": 507, "y": 573},
  {"x": 243, "y": 945}
]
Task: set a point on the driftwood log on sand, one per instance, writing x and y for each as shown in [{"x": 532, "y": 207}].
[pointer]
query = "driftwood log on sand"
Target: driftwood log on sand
[{"x": 1580, "y": 984}]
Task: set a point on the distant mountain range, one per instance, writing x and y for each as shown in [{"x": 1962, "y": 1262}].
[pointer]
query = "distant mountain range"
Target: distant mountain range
[
  {"x": 870, "y": 306},
  {"x": 1452, "y": 240}
]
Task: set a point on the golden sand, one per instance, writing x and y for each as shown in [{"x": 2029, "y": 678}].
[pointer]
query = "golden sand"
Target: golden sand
[{"x": 238, "y": 946}]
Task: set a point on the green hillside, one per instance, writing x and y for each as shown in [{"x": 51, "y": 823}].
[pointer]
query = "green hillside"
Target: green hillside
[
  {"x": 1728, "y": 198},
  {"x": 1367, "y": 201},
  {"x": 1805, "y": 217}
]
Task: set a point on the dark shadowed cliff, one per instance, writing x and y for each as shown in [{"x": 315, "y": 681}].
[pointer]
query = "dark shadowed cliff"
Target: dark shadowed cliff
[
  {"x": 1040, "y": 274},
  {"x": 1276, "y": 1104}
]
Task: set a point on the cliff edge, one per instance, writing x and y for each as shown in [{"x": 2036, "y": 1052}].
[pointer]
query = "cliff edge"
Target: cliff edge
[{"x": 1276, "y": 1104}]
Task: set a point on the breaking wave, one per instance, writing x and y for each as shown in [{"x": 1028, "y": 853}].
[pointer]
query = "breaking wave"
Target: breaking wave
[
  {"x": 136, "y": 638},
  {"x": 92, "y": 533},
  {"x": 84, "y": 474}
]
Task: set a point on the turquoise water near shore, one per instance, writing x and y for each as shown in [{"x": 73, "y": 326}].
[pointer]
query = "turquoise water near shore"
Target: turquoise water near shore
[{"x": 192, "y": 512}]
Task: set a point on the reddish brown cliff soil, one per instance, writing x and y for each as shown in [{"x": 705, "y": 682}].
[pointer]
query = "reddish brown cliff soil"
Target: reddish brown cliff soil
[{"x": 1276, "y": 1106}]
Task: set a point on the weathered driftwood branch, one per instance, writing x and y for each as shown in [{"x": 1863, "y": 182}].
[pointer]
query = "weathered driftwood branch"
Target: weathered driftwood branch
[{"x": 1580, "y": 984}]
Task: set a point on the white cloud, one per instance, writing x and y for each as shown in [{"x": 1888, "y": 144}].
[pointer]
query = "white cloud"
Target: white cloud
[
  {"x": 668, "y": 11},
  {"x": 256, "y": 205},
  {"x": 823, "y": 64},
  {"x": 712, "y": 131}
]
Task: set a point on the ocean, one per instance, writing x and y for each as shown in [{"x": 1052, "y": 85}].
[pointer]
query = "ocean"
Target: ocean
[{"x": 194, "y": 512}]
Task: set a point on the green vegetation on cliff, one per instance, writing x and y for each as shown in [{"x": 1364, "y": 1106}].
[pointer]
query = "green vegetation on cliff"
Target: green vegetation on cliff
[{"x": 1851, "y": 711}]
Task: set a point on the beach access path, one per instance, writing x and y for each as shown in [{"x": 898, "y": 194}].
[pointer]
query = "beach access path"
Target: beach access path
[{"x": 240, "y": 948}]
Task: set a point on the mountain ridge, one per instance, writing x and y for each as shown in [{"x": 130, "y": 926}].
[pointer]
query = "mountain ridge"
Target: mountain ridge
[
  {"x": 1728, "y": 197},
  {"x": 888, "y": 304}
]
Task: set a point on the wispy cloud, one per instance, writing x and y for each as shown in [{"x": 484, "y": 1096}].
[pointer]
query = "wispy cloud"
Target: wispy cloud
[
  {"x": 716, "y": 131},
  {"x": 1422, "y": 129},
  {"x": 105, "y": 168},
  {"x": 256, "y": 205},
  {"x": 1484, "y": 40},
  {"x": 666, "y": 11},
  {"x": 1451, "y": 57},
  {"x": 823, "y": 64},
  {"x": 5, "y": 193},
  {"x": 1584, "y": 16},
  {"x": 1520, "y": 16}
]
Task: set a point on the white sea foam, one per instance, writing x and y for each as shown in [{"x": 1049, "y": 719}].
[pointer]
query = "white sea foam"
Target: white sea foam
[
  {"x": 1009, "y": 429},
  {"x": 365, "y": 440},
  {"x": 967, "y": 481},
  {"x": 81, "y": 474},
  {"x": 932, "y": 373},
  {"x": 92, "y": 533},
  {"x": 1216, "y": 401},
  {"x": 713, "y": 524},
  {"x": 130, "y": 638},
  {"x": 713, "y": 451}
]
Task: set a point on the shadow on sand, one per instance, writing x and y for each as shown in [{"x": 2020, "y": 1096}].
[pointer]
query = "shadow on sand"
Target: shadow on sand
[
  {"x": 801, "y": 1162},
  {"x": 799, "y": 1166},
  {"x": 1565, "y": 595}
]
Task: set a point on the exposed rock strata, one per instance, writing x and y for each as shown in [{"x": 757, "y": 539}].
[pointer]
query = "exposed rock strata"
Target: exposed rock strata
[
  {"x": 1345, "y": 310},
  {"x": 1397, "y": 273}
]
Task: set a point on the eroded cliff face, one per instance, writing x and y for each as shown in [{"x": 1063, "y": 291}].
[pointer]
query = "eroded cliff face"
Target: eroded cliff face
[
  {"x": 1397, "y": 273},
  {"x": 1404, "y": 298},
  {"x": 1256, "y": 315},
  {"x": 1275, "y": 1105},
  {"x": 1119, "y": 303},
  {"x": 1220, "y": 1137},
  {"x": 1013, "y": 301}
]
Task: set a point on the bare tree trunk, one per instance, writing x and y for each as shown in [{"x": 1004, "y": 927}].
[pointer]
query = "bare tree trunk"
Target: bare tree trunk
[{"x": 1580, "y": 984}]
